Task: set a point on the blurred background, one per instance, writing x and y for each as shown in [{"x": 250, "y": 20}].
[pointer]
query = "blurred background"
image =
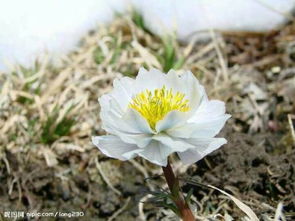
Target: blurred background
[{"x": 58, "y": 57}]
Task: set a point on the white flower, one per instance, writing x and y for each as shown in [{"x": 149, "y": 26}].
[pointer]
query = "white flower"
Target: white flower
[{"x": 158, "y": 114}]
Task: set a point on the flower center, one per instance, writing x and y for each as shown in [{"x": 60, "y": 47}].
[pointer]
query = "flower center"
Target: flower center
[{"x": 154, "y": 105}]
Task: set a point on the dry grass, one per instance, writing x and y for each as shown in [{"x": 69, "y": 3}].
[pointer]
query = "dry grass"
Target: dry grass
[{"x": 48, "y": 114}]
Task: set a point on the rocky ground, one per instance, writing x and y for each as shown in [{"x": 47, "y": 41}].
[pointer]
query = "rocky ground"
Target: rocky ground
[{"x": 49, "y": 113}]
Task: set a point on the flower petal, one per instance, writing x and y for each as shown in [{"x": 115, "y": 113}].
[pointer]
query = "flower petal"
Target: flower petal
[
  {"x": 172, "y": 119},
  {"x": 113, "y": 146},
  {"x": 202, "y": 148},
  {"x": 208, "y": 110},
  {"x": 195, "y": 93},
  {"x": 201, "y": 129},
  {"x": 187, "y": 84},
  {"x": 123, "y": 91},
  {"x": 207, "y": 121},
  {"x": 190, "y": 134},
  {"x": 149, "y": 80},
  {"x": 176, "y": 145},
  {"x": 136, "y": 121},
  {"x": 156, "y": 153},
  {"x": 121, "y": 95},
  {"x": 131, "y": 128}
]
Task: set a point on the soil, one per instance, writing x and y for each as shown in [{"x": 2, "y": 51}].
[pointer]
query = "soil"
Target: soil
[{"x": 68, "y": 174}]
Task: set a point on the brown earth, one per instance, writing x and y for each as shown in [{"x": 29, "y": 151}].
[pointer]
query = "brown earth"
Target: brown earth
[{"x": 253, "y": 74}]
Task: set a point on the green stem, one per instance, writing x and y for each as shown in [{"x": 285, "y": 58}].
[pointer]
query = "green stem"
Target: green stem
[{"x": 173, "y": 184}]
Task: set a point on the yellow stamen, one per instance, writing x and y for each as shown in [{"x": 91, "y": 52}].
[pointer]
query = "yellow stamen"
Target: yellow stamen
[{"x": 154, "y": 105}]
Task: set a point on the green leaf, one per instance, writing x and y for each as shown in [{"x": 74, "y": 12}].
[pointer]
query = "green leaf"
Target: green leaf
[
  {"x": 98, "y": 56},
  {"x": 189, "y": 195},
  {"x": 170, "y": 206},
  {"x": 53, "y": 130},
  {"x": 139, "y": 21},
  {"x": 169, "y": 58}
]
